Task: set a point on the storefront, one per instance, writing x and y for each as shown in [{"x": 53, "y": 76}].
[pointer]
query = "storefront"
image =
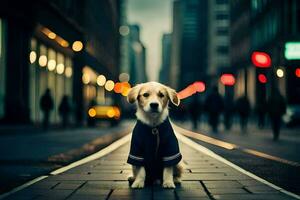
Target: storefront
[{"x": 49, "y": 69}]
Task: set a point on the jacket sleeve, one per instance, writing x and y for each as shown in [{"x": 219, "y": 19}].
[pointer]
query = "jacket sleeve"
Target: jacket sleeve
[
  {"x": 136, "y": 154},
  {"x": 171, "y": 155}
]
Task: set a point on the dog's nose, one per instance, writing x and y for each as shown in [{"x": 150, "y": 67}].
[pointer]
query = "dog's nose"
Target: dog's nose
[{"x": 154, "y": 106}]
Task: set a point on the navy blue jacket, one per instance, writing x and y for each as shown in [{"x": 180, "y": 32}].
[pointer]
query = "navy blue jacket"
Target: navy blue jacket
[{"x": 154, "y": 148}]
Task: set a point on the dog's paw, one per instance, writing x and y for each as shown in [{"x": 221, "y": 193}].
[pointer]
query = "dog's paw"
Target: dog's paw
[
  {"x": 138, "y": 184},
  {"x": 168, "y": 184}
]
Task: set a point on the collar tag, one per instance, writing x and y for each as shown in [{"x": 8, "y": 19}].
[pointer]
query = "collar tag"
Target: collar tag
[{"x": 154, "y": 131}]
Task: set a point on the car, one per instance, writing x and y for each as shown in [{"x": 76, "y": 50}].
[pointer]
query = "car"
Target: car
[
  {"x": 292, "y": 116},
  {"x": 109, "y": 113}
]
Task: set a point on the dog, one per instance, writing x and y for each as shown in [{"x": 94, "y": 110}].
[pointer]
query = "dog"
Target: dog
[{"x": 154, "y": 151}]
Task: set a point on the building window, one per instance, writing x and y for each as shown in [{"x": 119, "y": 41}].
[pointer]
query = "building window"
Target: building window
[
  {"x": 222, "y": 31},
  {"x": 2, "y": 66},
  {"x": 222, "y": 16},
  {"x": 51, "y": 69},
  {"x": 222, "y": 49}
]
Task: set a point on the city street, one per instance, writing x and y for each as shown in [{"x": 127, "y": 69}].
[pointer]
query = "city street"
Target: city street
[
  {"x": 28, "y": 153},
  {"x": 104, "y": 174},
  {"x": 255, "y": 151}
]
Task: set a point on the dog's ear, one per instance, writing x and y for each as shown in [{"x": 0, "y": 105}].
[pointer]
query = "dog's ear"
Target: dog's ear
[
  {"x": 133, "y": 93},
  {"x": 173, "y": 96}
]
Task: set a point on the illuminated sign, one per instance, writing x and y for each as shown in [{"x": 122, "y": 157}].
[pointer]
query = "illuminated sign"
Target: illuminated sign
[
  {"x": 292, "y": 51},
  {"x": 261, "y": 59}
]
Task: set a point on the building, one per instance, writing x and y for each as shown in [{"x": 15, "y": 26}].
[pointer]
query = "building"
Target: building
[
  {"x": 176, "y": 45},
  {"x": 137, "y": 56},
  {"x": 164, "y": 76},
  {"x": 191, "y": 17},
  {"x": 275, "y": 30},
  {"x": 60, "y": 45},
  {"x": 270, "y": 27},
  {"x": 218, "y": 40},
  {"x": 240, "y": 45}
]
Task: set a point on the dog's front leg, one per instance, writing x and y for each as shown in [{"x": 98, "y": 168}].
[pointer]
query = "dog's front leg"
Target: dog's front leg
[
  {"x": 168, "y": 181},
  {"x": 139, "y": 181}
]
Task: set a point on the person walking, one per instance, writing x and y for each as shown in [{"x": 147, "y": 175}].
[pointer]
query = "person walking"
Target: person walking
[
  {"x": 214, "y": 106},
  {"x": 46, "y": 105},
  {"x": 228, "y": 112},
  {"x": 261, "y": 109},
  {"x": 243, "y": 109},
  {"x": 195, "y": 111},
  {"x": 276, "y": 109},
  {"x": 64, "y": 110}
]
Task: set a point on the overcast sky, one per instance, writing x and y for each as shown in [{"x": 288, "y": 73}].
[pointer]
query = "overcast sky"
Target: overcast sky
[{"x": 154, "y": 18}]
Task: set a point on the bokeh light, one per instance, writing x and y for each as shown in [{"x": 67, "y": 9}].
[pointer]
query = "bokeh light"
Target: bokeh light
[
  {"x": 109, "y": 85},
  {"x": 279, "y": 73},
  {"x": 32, "y": 57},
  {"x": 101, "y": 80},
  {"x": 77, "y": 46},
  {"x": 51, "y": 65},
  {"x": 43, "y": 61}
]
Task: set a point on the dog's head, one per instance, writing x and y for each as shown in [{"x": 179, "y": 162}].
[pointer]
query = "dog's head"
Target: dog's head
[{"x": 152, "y": 97}]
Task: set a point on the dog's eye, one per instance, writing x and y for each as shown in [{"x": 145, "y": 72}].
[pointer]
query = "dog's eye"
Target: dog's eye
[
  {"x": 146, "y": 95},
  {"x": 161, "y": 95}
]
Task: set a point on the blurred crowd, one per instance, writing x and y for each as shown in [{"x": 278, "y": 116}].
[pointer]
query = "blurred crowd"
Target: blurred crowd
[{"x": 215, "y": 107}]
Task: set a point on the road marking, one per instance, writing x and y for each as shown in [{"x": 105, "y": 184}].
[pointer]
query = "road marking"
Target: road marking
[
  {"x": 210, "y": 153},
  {"x": 115, "y": 145},
  {"x": 231, "y": 146},
  {"x": 94, "y": 156},
  {"x": 21, "y": 187}
]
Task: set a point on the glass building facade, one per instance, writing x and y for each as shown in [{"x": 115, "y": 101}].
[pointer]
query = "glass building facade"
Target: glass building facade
[{"x": 51, "y": 69}]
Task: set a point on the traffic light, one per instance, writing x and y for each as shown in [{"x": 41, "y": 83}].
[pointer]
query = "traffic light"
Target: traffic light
[{"x": 261, "y": 59}]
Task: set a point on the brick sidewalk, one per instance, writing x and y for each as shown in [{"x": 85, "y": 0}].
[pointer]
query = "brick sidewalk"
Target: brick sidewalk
[{"x": 205, "y": 177}]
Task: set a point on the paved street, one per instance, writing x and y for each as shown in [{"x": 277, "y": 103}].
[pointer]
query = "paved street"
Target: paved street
[
  {"x": 31, "y": 153},
  {"x": 255, "y": 151},
  {"x": 206, "y": 176}
]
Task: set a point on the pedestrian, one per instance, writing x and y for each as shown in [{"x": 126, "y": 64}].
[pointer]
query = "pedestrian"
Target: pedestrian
[
  {"x": 46, "y": 104},
  {"x": 214, "y": 106},
  {"x": 64, "y": 110},
  {"x": 228, "y": 112},
  {"x": 243, "y": 109},
  {"x": 276, "y": 108},
  {"x": 261, "y": 109},
  {"x": 195, "y": 111}
]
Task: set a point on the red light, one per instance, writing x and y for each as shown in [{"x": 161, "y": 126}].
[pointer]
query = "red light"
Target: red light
[
  {"x": 297, "y": 72},
  {"x": 199, "y": 86},
  {"x": 261, "y": 59},
  {"x": 227, "y": 79},
  {"x": 262, "y": 78}
]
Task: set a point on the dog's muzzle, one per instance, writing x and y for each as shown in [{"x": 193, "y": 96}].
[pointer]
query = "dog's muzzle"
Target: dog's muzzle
[{"x": 154, "y": 107}]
